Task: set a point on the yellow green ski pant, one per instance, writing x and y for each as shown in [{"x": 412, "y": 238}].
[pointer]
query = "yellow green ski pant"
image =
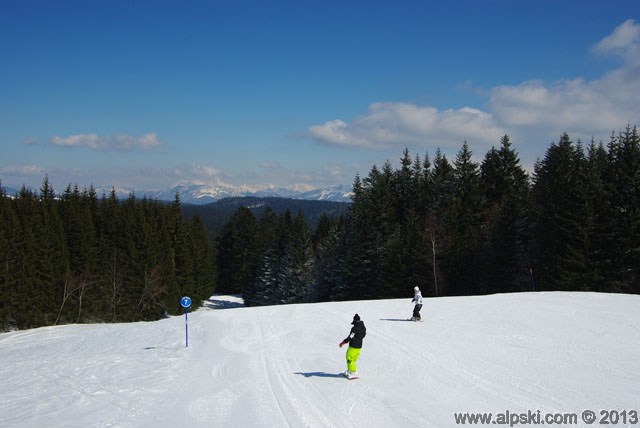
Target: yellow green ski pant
[{"x": 352, "y": 357}]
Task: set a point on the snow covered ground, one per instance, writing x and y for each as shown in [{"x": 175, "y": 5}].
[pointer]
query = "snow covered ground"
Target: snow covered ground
[{"x": 278, "y": 366}]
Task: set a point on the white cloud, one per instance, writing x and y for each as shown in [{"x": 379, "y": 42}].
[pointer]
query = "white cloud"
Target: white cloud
[
  {"x": 582, "y": 107},
  {"x": 269, "y": 165},
  {"x": 405, "y": 124},
  {"x": 119, "y": 143},
  {"x": 326, "y": 174},
  {"x": 183, "y": 173},
  {"x": 200, "y": 170},
  {"x": 530, "y": 110},
  {"x": 572, "y": 104},
  {"x": 24, "y": 170},
  {"x": 624, "y": 42}
]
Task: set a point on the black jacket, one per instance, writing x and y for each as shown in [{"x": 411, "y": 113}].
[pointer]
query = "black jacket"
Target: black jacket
[{"x": 358, "y": 332}]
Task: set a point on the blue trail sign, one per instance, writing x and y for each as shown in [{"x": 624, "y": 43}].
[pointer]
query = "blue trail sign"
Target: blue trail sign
[{"x": 185, "y": 302}]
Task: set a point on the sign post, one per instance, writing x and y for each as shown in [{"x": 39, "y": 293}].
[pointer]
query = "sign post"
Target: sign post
[{"x": 185, "y": 302}]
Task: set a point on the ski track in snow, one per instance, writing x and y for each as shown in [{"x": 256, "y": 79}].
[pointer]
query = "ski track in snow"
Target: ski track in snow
[{"x": 279, "y": 366}]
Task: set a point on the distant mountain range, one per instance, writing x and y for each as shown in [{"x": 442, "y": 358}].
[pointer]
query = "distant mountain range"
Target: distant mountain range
[{"x": 201, "y": 194}]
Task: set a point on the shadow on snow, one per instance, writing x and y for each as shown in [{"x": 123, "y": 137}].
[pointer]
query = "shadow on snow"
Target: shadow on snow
[{"x": 319, "y": 374}]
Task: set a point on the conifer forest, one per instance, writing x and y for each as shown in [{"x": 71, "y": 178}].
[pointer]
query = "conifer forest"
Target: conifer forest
[{"x": 450, "y": 226}]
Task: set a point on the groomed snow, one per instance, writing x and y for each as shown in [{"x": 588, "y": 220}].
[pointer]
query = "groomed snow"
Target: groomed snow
[{"x": 278, "y": 366}]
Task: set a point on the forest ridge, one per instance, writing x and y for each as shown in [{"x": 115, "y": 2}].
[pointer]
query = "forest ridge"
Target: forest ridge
[
  {"x": 455, "y": 228},
  {"x": 451, "y": 227}
]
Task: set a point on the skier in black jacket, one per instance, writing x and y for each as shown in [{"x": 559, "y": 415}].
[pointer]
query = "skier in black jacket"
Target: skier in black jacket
[{"x": 357, "y": 333}]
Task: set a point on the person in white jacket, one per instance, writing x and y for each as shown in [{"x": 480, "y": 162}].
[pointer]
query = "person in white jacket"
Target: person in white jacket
[{"x": 417, "y": 299}]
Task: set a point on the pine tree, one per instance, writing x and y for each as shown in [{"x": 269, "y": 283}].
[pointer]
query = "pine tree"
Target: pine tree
[
  {"x": 326, "y": 271},
  {"x": 182, "y": 262},
  {"x": 463, "y": 225},
  {"x": 51, "y": 256},
  {"x": 438, "y": 190},
  {"x": 403, "y": 187},
  {"x": 624, "y": 191},
  {"x": 24, "y": 247},
  {"x": 443, "y": 180},
  {"x": 260, "y": 262},
  {"x": 10, "y": 231},
  {"x": 301, "y": 255},
  {"x": 80, "y": 238},
  {"x": 237, "y": 251},
  {"x": 111, "y": 264},
  {"x": 598, "y": 218},
  {"x": 505, "y": 225},
  {"x": 560, "y": 210},
  {"x": 149, "y": 286},
  {"x": 273, "y": 283},
  {"x": 204, "y": 257},
  {"x": 370, "y": 223}
]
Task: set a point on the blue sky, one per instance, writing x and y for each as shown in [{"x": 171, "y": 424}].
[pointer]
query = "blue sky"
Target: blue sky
[{"x": 147, "y": 94}]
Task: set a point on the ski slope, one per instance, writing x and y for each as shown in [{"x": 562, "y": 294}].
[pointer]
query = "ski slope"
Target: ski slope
[{"x": 279, "y": 366}]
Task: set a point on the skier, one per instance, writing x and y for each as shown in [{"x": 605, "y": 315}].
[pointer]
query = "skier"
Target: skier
[
  {"x": 417, "y": 298},
  {"x": 357, "y": 333}
]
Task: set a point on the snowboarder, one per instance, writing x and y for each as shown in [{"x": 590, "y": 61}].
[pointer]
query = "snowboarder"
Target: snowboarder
[
  {"x": 417, "y": 298},
  {"x": 357, "y": 333}
]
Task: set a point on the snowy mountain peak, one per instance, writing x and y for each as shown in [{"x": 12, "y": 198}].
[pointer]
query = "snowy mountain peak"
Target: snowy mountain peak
[{"x": 200, "y": 193}]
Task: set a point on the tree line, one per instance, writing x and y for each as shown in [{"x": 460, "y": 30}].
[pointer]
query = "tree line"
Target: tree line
[
  {"x": 78, "y": 257},
  {"x": 453, "y": 228}
]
